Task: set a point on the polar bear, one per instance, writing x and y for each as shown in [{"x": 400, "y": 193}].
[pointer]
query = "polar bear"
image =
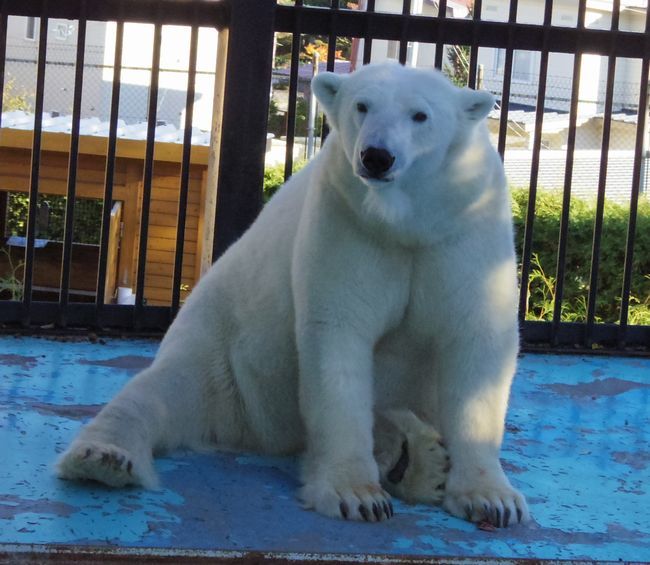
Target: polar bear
[{"x": 376, "y": 291}]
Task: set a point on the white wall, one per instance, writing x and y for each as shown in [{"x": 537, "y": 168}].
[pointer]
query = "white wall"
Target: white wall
[
  {"x": 174, "y": 61},
  {"x": 560, "y": 69},
  {"x": 22, "y": 54}
]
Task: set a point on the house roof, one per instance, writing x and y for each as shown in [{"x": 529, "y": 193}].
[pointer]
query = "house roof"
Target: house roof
[
  {"x": 53, "y": 123},
  {"x": 557, "y": 121},
  {"x": 17, "y": 134}
]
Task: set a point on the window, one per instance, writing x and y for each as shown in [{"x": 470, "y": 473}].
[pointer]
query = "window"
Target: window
[
  {"x": 522, "y": 65},
  {"x": 30, "y": 29},
  {"x": 62, "y": 31}
]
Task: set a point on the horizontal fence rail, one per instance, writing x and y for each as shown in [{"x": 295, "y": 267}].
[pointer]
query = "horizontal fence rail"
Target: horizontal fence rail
[{"x": 533, "y": 115}]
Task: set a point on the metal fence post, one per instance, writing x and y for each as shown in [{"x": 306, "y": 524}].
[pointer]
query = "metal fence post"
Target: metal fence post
[{"x": 246, "y": 95}]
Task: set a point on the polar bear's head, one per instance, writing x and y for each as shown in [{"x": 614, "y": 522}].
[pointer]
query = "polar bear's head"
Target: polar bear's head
[{"x": 390, "y": 117}]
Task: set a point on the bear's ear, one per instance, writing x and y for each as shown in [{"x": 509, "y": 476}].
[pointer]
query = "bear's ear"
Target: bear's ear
[
  {"x": 476, "y": 104},
  {"x": 326, "y": 86}
]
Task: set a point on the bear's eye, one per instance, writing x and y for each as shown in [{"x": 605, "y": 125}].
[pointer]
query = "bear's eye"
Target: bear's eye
[
  {"x": 419, "y": 117},
  {"x": 361, "y": 107}
]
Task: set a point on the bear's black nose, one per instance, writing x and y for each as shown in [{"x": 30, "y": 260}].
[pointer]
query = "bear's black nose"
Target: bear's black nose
[{"x": 376, "y": 161}]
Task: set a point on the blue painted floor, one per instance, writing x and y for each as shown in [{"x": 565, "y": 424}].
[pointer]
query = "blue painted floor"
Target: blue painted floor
[{"x": 577, "y": 445}]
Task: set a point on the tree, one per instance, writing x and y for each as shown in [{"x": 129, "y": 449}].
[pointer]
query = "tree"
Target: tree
[
  {"x": 13, "y": 99},
  {"x": 457, "y": 67}
]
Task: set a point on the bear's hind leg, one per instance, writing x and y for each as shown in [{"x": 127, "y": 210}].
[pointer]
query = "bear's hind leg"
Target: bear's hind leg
[
  {"x": 412, "y": 459},
  {"x": 155, "y": 411}
]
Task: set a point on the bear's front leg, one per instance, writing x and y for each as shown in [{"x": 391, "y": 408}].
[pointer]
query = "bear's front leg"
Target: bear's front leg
[
  {"x": 474, "y": 365},
  {"x": 474, "y": 390},
  {"x": 340, "y": 475},
  {"x": 473, "y": 382}
]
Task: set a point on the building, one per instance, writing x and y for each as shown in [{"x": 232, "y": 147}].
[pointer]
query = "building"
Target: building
[{"x": 22, "y": 54}]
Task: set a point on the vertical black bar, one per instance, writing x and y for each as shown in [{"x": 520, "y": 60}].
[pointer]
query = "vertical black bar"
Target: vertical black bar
[
  {"x": 36, "y": 164},
  {"x": 602, "y": 180},
  {"x": 331, "y": 42},
  {"x": 403, "y": 42},
  {"x": 440, "y": 42},
  {"x": 147, "y": 179},
  {"x": 245, "y": 113},
  {"x": 507, "y": 80},
  {"x": 367, "y": 41},
  {"x": 3, "y": 52},
  {"x": 66, "y": 258},
  {"x": 473, "y": 57},
  {"x": 185, "y": 170},
  {"x": 568, "y": 178},
  {"x": 293, "y": 91},
  {"x": 109, "y": 176},
  {"x": 4, "y": 196},
  {"x": 331, "y": 56},
  {"x": 636, "y": 186},
  {"x": 534, "y": 168}
]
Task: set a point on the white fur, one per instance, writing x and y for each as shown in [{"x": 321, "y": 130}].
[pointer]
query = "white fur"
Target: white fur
[{"x": 349, "y": 295}]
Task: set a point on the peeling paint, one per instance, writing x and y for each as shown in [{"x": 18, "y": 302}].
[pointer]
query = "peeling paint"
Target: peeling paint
[
  {"x": 23, "y": 361},
  {"x": 12, "y": 505},
  {"x": 597, "y": 388},
  {"x": 637, "y": 460},
  {"x": 72, "y": 411},
  {"x": 134, "y": 362}
]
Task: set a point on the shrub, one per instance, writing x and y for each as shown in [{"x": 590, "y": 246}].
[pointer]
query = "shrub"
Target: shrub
[
  {"x": 582, "y": 215},
  {"x": 87, "y": 217},
  {"x": 274, "y": 177},
  {"x": 542, "y": 281},
  {"x": 277, "y": 120}
]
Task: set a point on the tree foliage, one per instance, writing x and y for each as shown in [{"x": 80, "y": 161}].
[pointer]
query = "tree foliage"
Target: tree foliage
[{"x": 14, "y": 98}]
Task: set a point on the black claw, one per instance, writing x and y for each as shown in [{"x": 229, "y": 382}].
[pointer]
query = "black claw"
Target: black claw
[
  {"x": 343, "y": 507},
  {"x": 498, "y": 521},
  {"x": 129, "y": 467},
  {"x": 88, "y": 453},
  {"x": 390, "y": 506},
  {"x": 376, "y": 511},
  {"x": 387, "y": 511},
  {"x": 519, "y": 515},
  {"x": 364, "y": 512},
  {"x": 506, "y": 517},
  {"x": 468, "y": 512},
  {"x": 396, "y": 474}
]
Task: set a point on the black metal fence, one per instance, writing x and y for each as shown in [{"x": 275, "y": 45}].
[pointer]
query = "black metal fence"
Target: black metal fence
[{"x": 244, "y": 80}]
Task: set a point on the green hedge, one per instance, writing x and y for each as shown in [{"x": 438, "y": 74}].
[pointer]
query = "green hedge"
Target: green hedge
[
  {"x": 578, "y": 259},
  {"x": 87, "y": 217}
]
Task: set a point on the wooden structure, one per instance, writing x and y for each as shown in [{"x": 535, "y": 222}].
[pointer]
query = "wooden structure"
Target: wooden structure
[{"x": 15, "y": 165}]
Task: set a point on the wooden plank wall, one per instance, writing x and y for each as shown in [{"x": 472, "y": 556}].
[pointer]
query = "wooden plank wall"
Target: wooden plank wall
[
  {"x": 161, "y": 244},
  {"x": 14, "y": 176}
]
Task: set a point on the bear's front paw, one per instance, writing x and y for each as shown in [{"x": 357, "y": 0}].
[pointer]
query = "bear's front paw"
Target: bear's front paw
[
  {"x": 368, "y": 502},
  {"x": 494, "y": 501},
  {"x": 107, "y": 464}
]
